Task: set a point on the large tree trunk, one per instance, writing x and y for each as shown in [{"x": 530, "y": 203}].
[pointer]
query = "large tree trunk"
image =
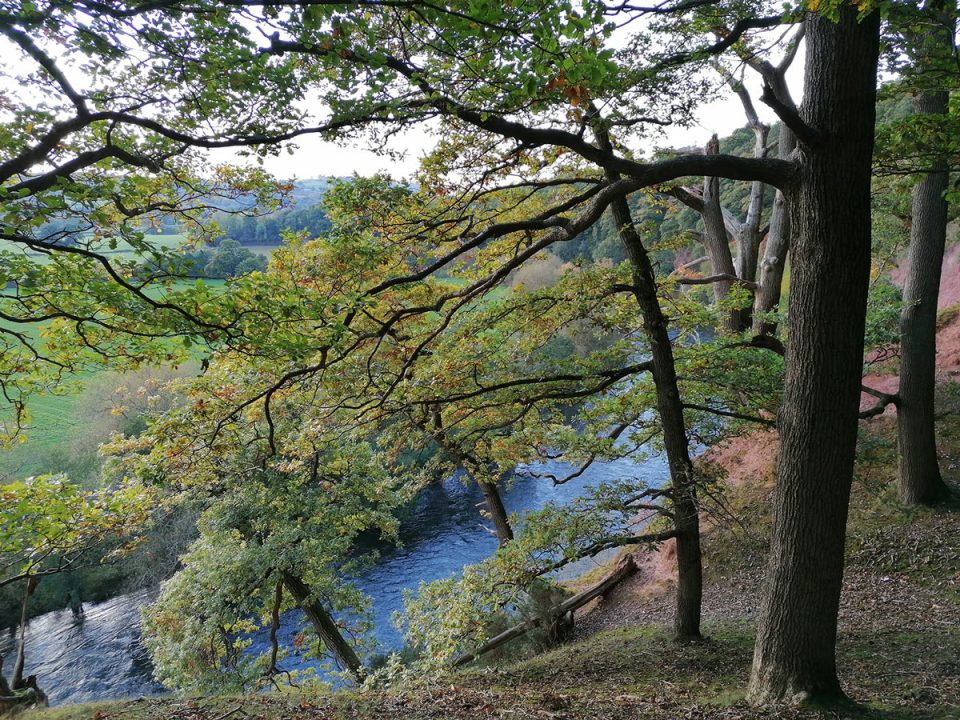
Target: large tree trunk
[
  {"x": 670, "y": 409},
  {"x": 920, "y": 480},
  {"x": 794, "y": 658},
  {"x": 324, "y": 626}
]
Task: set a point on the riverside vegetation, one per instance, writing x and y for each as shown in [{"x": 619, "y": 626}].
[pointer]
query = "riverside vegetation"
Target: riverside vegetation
[
  {"x": 899, "y": 636},
  {"x": 546, "y": 289}
]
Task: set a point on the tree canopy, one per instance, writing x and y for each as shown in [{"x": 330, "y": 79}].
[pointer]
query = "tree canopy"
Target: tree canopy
[{"x": 393, "y": 340}]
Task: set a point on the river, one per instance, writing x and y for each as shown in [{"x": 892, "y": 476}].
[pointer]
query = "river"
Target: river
[{"x": 98, "y": 654}]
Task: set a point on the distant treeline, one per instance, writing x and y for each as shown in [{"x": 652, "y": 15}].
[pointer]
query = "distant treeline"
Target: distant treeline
[
  {"x": 227, "y": 260},
  {"x": 268, "y": 229}
]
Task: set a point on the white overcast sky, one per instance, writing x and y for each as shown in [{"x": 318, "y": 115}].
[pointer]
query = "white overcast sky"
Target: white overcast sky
[{"x": 315, "y": 158}]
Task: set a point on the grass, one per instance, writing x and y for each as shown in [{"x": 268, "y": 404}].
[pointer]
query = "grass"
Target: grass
[
  {"x": 123, "y": 251},
  {"x": 621, "y": 673},
  {"x": 45, "y": 444},
  {"x": 55, "y": 417}
]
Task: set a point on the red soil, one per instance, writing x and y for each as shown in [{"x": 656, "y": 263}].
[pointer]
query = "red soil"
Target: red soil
[{"x": 751, "y": 460}]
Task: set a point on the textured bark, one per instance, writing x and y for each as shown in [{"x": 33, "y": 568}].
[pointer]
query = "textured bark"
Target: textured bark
[
  {"x": 777, "y": 247},
  {"x": 715, "y": 239},
  {"x": 670, "y": 409},
  {"x": 498, "y": 513},
  {"x": 794, "y": 657},
  {"x": 920, "y": 479},
  {"x": 324, "y": 626}
]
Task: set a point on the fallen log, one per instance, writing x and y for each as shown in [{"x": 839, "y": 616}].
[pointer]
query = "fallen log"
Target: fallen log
[{"x": 625, "y": 569}]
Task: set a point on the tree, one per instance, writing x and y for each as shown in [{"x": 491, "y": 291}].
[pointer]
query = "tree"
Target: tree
[
  {"x": 282, "y": 512},
  {"x": 407, "y": 92},
  {"x": 98, "y": 150},
  {"x": 525, "y": 109},
  {"x": 794, "y": 658},
  {"x": 49, "y": 525},
  {"x": 920, "y": 479},
  {"x": 230, "y": 260}
]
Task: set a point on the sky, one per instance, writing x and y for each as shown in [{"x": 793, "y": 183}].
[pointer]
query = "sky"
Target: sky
[{"x": 316, "y": 158}]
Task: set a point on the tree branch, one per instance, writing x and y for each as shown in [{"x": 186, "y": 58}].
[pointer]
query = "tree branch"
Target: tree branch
[
  {"x": 731, "y": 414},
  {"x": 722, "y": 277},
  {"x": 790, "y": 117}
]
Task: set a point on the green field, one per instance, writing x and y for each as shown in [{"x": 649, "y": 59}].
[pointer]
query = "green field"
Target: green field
[
  {"x": 52, "y": 420},
  {"x": 59, "y": 435},
  {"x": 122, "y": 252}
]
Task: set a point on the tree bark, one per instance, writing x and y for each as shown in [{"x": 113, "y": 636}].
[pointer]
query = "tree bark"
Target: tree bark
[
  {"x": 794, "y": 657},
  {"x": 498, "y": 513},
  {"x": 750, "y": 235},
  {"x": 17, "y": 680},
  {"x": 748, "y": 241},
  {"x": 715, "y": 240},
  {"x": 920, "y": 479},
  {"x": 777, "y": 247},
  {"x": 4, "y": 686},
  {"x": 670, "y": 409},
  {"x": 324, "y": 626},
  {"x": 683, "y": 490}
]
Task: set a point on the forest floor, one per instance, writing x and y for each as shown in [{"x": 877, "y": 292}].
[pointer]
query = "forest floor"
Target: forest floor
[{"x": 898, "y": 648}]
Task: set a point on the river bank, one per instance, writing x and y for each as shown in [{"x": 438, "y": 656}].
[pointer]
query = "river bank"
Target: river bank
[
  {"x": 443, "y": 532},
  {"x": 899, "y": 640},
  {"x": 898, "y": 647}
]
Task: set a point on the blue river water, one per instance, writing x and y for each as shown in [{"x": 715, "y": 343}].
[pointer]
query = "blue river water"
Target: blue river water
[{"x": 98, "y": 655}]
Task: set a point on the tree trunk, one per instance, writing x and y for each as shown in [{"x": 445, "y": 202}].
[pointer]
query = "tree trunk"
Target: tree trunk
[
  {"x": 471, "y": 465},
  {"x": 5, "y": 688},
  {"x": 748, "y": 241},
  {"x": 775, "y": 251},
  {"x": 498, "y": 513},
  {"x": 17, "y": 680},
  {"x": 670, "y": 409},
  {"x": 624, "y": 569},
  {"x": 920, "y": 480},
  {"x": 274, "y": 629},
  {"x": 715, "y": 240},
  {"x": 794, "y": 657},
  {"x": 324, "y": 626}
]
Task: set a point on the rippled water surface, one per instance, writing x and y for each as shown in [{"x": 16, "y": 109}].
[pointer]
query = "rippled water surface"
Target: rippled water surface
[
  {"x": 91, "y": 656},
  {"x": 98, "y": 655}
]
